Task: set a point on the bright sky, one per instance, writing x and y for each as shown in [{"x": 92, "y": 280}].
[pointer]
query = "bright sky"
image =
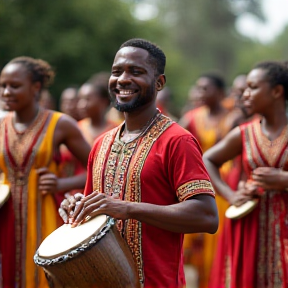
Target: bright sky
[{"x": 276, "y": 12}]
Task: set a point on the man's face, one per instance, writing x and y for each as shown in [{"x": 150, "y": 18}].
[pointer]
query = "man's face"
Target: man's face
[{"x": 132, "y": 84}]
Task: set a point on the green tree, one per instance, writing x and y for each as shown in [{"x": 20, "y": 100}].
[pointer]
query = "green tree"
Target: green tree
[{"x": 78, "y": 38}]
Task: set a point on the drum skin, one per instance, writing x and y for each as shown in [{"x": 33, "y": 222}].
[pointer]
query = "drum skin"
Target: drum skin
[
  {"x": 4, "y": 194},
  {"x": 237, "y": 212},
  {"x": 106, "y": 264}
]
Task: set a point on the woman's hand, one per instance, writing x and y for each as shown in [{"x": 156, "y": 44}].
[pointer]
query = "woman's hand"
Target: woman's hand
[
  {"x": 269, "y": 178},
  {"x": 47, "y": 181},
  {"x": 245, "y": 192}
]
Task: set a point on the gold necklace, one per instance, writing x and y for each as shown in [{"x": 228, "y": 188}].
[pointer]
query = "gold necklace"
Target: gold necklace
[{"x": 142, "y": 131}]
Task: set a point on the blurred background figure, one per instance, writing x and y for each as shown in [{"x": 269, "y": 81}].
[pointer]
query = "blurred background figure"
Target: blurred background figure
[
  {"x": 93, "y": 105},
  {"x": 209, "y": 123},
  {"x": 237, "y": 116},
  {"x": 238, "y": 87},
  {"x": 193, "y": 100},
  {"x": 46, "y": 100},
  {"x": 233, "y": 101},
  {"x": 235, "y": 92},
  {"x": 163, "y": 102},
  {"x": 69, "y": 165},
  {"x": 68, "y": 102},
  {"x": 93, "y": 102},
  {"x": 112, "y": 115}
]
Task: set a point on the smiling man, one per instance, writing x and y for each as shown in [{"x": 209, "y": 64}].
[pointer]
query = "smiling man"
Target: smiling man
[{"x": 148, "y": 172}]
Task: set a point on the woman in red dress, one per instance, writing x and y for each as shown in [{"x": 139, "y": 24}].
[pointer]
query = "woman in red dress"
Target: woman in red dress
[{"x": 256, "y": 246}]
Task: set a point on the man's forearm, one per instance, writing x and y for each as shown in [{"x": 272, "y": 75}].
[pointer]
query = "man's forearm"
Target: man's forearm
[{"x": 198, "y": 214}]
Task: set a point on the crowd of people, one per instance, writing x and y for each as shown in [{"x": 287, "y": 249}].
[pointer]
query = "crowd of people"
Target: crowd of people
[{"x": 116, "y": 141}]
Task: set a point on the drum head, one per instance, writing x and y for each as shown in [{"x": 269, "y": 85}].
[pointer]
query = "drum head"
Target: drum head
[
  {"x": 65, "y": 238},
  {"x": 236, "y": 212},
  {"x": 4, "y": 194}
]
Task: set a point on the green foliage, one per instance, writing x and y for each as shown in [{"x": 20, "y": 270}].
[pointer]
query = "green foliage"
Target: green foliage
[{"x": 78, "y": 38}]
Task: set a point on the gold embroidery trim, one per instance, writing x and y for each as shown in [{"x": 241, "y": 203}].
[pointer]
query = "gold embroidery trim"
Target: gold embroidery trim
[
  {"x": 100, "y": 158},
  {"x": 133, "y": 228},
  {"x": 193, "y": 188}
]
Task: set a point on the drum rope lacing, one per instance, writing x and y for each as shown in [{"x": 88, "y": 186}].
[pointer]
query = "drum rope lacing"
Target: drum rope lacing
[{"x": 86, "y": 246}]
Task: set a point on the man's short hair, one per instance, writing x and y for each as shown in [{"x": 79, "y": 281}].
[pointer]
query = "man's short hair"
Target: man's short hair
[{"x": 156, "y": 55}]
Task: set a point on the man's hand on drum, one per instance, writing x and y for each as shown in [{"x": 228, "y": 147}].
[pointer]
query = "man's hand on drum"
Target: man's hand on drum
[
  {"x": 69, "y": 205},
  {"x": 47, "y": 181},
  {"x": 269, "y": 178},
  {"x": 244, "y": 193},
  {"x": 99, "y": 203}
]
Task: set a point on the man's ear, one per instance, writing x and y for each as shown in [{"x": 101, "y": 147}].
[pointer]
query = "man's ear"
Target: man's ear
[{"x": 160, "y": 83}]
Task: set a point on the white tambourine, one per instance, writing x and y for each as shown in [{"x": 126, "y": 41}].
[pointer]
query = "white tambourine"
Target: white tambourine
[
  {"x": 4, "y": 194},
  {"x": 237, "y": 212}
]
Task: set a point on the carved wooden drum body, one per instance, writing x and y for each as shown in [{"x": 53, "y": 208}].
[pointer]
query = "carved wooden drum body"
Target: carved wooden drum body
[{"x": 90, "y": 255}]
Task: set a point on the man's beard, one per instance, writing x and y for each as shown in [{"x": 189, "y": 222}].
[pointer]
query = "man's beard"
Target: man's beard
[{"x": 136, "y": 103}]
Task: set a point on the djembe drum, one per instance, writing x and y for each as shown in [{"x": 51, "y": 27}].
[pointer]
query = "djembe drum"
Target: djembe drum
[{"x": 90, "y": 255}]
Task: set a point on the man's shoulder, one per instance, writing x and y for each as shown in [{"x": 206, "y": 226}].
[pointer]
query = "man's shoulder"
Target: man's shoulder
[
  {"x": 176, "y": 131},
  {"x": 176, "y": 134}
]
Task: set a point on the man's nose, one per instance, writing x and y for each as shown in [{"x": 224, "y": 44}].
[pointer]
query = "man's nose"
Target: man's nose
[{"x": 124, "y": 78}]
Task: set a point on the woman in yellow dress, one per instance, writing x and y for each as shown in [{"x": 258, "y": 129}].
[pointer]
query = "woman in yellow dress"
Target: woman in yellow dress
[
  {"x": 30, "y": 137},
  {"x": 209, "y": 123}
]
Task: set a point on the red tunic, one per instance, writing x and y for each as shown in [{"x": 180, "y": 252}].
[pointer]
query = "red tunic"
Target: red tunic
[{"x": 163, "y": 166}]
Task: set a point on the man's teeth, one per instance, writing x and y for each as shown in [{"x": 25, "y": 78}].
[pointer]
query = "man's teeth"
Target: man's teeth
[{"x": 126, "y": 92}]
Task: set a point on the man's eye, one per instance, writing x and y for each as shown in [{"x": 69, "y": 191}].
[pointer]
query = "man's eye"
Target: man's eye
[{"x": 116, "y": 72}]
